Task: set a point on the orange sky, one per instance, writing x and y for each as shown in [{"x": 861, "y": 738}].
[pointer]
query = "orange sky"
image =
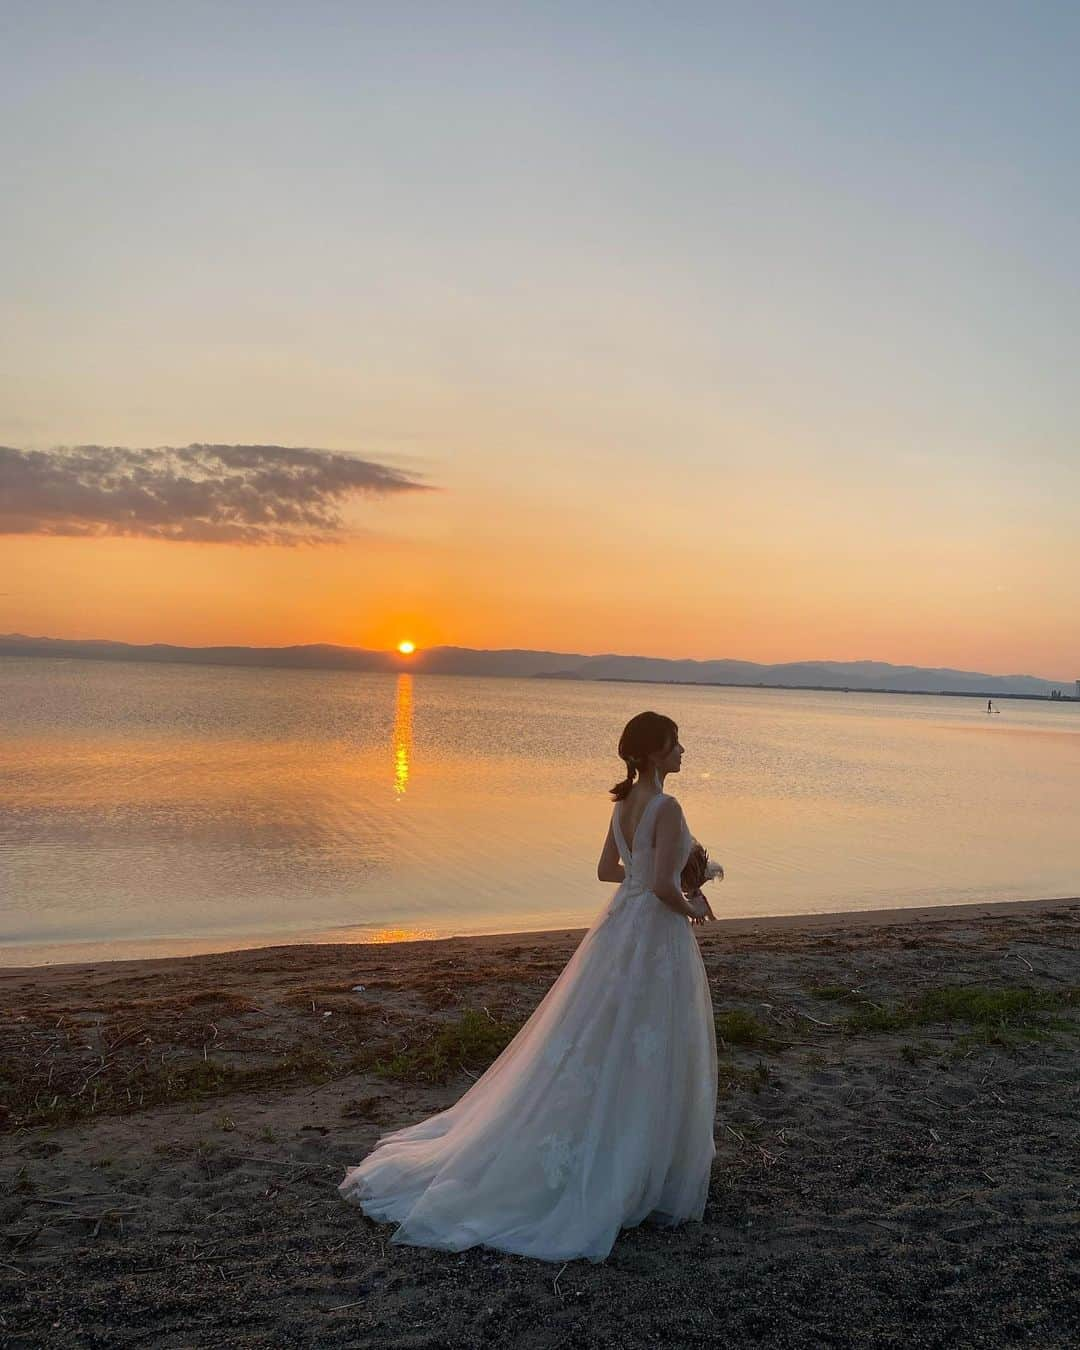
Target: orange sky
[
  {"x": 766, "y": 571},
  {"x": 745, "y": 336}
]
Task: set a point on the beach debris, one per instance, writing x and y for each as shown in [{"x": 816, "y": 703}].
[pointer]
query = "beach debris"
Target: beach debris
[
  {"x": 831, "y": 1026},
  {"x": 358, "y": 988},
  {"x": 340, "y": 1307}
]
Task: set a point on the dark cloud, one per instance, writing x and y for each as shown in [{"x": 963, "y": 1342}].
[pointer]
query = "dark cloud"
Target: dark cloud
[{"x": 234, "y": 494}]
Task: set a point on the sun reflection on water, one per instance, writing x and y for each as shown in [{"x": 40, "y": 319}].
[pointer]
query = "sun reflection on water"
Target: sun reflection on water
[
  {"x": 400, "y": 935},
  {"x": 403, "y": 706}
]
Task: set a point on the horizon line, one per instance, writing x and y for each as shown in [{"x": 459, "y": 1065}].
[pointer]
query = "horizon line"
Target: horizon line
[{"x": 406, "y": 659}]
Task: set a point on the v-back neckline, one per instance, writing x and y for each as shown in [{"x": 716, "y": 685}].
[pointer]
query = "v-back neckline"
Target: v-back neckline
[{"x": 637, "y": 827}]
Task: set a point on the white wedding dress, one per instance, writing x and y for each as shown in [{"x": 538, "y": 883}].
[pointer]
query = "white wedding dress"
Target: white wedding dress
[{"x": 598, "y": 1114}]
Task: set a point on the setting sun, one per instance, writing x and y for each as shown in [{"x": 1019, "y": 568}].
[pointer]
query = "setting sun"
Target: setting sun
[{"x": 406, "y": 648}]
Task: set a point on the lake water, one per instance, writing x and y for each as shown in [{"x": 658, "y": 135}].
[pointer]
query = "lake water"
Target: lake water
[{"x": 147, "y": 809}]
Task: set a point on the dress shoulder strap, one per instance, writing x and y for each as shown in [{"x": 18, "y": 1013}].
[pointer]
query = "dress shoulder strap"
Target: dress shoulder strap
[
  {"x": 620, "y": 836},
  {"x": 653, "y": 806}
]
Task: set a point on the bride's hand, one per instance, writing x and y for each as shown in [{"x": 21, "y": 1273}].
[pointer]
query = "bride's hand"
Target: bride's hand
[{"x": 699, "y": 907}]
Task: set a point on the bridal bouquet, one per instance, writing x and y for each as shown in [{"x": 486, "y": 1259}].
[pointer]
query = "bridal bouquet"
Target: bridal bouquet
[
  {"x": 697, "y": 873},
  {"x": 699, "y": 870}
]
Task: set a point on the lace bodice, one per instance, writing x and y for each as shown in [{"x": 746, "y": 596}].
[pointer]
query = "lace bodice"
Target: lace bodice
[{"x": 639, "y": 865}]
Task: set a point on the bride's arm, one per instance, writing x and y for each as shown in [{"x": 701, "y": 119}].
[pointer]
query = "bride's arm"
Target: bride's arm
[
  {"x": 666, "y": 859},
  {"x": 610, "y": 867}
]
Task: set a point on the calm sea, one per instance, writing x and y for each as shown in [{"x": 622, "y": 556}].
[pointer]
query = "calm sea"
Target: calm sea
[{"x": 147, "y": 809}]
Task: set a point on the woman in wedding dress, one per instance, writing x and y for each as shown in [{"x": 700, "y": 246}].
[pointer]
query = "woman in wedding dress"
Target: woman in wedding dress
[{"x": 599, "y": 1113}]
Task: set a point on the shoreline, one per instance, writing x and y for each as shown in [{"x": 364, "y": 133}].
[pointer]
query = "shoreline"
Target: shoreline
[
  {"x": 821, "y": 688},
  {"x": 895, "y": 1143},
  {"x": 181, "y": 949}
]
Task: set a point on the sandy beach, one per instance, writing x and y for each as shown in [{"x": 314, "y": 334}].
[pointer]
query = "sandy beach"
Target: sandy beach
[{"x": 897, "y": 1144}]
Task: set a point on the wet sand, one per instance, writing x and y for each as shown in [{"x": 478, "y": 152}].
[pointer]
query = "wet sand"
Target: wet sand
[{"x": 897, "y": 1144}]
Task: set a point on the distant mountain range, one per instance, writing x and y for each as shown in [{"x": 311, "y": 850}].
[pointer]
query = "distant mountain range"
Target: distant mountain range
[{"x": 853, "y": 675}]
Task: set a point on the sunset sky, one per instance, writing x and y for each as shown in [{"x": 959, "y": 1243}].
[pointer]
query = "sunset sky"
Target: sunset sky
[{"x": 714, "y": 330}]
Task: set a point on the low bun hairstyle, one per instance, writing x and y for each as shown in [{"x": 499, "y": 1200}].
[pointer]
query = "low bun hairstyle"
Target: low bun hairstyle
[{"x": 646, "y": 734}]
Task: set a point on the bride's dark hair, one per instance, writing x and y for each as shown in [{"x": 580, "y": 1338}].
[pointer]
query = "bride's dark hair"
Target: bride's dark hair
[{"x": 647, "y": 733}]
